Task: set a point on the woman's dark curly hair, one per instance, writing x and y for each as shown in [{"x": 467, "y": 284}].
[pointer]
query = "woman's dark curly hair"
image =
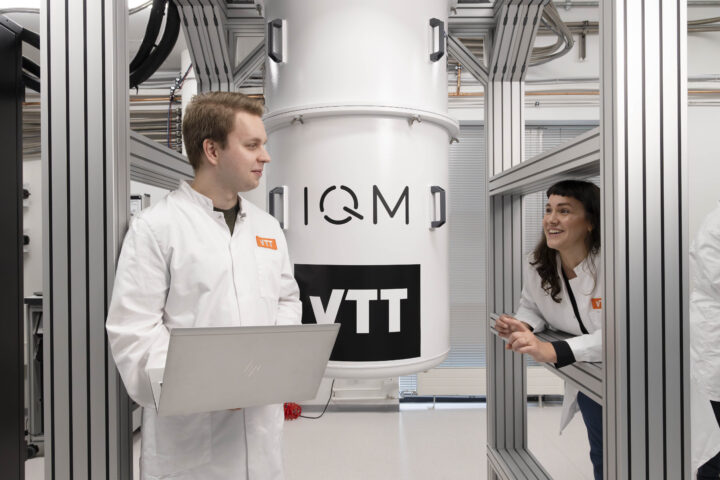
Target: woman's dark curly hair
[{"x": 544, "y": 257}]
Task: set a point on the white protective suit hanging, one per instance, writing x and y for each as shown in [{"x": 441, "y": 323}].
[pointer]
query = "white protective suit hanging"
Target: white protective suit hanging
[
  {"x": 538, "y": 309},
  {"x": 181, "y": 267},
  {"x": 705, "y": 339}
]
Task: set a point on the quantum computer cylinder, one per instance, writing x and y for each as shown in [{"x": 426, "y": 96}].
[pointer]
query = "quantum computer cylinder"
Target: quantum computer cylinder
[{"x": 356, "y": 99}]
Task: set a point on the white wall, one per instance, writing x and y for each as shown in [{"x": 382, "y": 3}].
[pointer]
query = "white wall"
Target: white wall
[
  {"x": 464, "y": 111},
  {"x": 32, "y": 225},
  {"x": 703, "y": 142},
  {"x": 156, "y": 193},
  {"x": 703, "y": 55},
  {"x": 703, "y": 163}
]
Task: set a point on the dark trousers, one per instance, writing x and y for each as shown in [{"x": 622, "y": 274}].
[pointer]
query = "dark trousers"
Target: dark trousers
[
  {"x": 711, "y": 469},
  {"x": 592, "y": 416}
]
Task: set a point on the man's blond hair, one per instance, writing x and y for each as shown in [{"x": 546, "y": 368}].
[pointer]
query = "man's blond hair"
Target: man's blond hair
[{"x": 211, "y": 116}]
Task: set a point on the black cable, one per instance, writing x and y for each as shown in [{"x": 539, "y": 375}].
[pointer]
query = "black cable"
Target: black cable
[
  {"x": 326, "y": 405},
  {"x": 172, "y": 98},
  {"x": 157, "y": 12},
  {"x": 163, "y": 49},
  {"x": 185, "y": 76},
  {"x": 178, "y": 84}
]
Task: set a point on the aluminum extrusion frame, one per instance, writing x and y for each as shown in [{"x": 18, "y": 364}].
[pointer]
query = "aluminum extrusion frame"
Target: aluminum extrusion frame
[
  {"x": 88, "y": 158},
  {"x": 206, "y": 37},
  {"x": 516, "y": 27},
  {"x": 643, "y": 126}
]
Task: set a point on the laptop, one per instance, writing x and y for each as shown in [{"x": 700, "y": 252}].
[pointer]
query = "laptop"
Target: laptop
[{"x": 222, "y": 368}]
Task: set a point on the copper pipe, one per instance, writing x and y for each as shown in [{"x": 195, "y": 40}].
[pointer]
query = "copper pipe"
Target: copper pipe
[
  {"x": 558, "y": 93},
  {"x": 456, "y": 94},
  {"x": 528, "y": 94},
  {"x": 597, "y": 92},
  {"x": 154, "y": 99},
  {"x": 552, "y": 93},
  {"x": 132, "y": 100},
  {"x": 149, "y": 99},
  {"x": 458, "y": 72}
]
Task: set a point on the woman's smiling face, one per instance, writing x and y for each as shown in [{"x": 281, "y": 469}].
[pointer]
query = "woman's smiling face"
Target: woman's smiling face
[{"x": 565, "y": 224}]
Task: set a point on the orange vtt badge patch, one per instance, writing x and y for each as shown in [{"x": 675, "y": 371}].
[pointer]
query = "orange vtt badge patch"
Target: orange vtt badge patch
[
  {"x": 597, "y": 303},
  {"x": 266, "y": 243}
]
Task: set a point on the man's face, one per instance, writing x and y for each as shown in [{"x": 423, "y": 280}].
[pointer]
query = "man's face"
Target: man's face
[{"x": 241, "y": 162}]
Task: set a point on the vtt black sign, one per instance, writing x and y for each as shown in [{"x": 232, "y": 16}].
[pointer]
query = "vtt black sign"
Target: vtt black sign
[
  {"x": 378, "y": 307},
  {"x": 351, "y": 205}
]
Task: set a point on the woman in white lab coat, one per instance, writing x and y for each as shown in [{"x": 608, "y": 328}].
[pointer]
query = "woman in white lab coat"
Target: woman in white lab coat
[
  {"x": 705, "y": 348},
  {"x": 561, "y": 289}
]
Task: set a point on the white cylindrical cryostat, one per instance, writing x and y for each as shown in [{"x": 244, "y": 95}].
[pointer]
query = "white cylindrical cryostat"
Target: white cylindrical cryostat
[{"x": 356, "y": 97}]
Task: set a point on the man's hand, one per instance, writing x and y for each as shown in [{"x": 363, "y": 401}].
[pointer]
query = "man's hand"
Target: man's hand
[
  {"x": 527, "y": 342},
  {"x": 505, "y": 325}
]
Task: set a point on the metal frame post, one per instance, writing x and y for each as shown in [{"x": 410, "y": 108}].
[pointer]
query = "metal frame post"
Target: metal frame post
[
  {"x": 516, "y": 27},
  {"x": 89, "y": 156},
  {"x": 645, "y": 225},
  {"x": 85, "y": 183},
  {"x": 12, "y": 405}
]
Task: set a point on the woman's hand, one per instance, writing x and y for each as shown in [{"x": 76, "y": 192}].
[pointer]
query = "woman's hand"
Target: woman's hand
[
  {"x": 505, "y": 325},
  {"x": 522, "y": 340},
  {"x": 527, "y": 342}
]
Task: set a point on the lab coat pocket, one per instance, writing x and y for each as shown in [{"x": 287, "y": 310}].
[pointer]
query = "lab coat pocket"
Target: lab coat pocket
[
  {"x": 182, "y": 442},
  {"x": 596, "y": 319},
  {"x": 269, "y": 270}
]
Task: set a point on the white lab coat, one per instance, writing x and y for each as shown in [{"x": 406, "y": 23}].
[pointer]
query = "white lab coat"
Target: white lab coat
[
  {"x": 705, "y": 339},
  {"x": 538, "y": 309},
  {"x": 180, "y": 267}
]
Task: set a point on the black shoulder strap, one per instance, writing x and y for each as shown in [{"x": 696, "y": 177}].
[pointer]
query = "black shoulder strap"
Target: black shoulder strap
[{"x": 574, "y": 303}]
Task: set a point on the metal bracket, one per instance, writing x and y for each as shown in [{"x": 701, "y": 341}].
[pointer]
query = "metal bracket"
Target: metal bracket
[
  {"x": 206, "y": 38},
  {"x": 249, "y": 65},
  {"x": 467, "y": 59}
]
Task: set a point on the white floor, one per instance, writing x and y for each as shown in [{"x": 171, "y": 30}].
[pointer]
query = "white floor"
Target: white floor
[
  {"x": 419, "y": 442},
  {"x": 447, "y": 442},
  {"x": 565, "y": 456}
]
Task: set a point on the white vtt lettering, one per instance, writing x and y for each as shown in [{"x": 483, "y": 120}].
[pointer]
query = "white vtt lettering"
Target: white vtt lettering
[
  {"x": 362, "y": 299},
  {"x": 327, "y": 316},
  {"x": 394, "y": 295}
]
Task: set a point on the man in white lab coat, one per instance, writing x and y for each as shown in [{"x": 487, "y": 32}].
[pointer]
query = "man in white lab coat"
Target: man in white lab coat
[
  {"x": 204, "y": 256},
  {"x": 705, "y": 348}
]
